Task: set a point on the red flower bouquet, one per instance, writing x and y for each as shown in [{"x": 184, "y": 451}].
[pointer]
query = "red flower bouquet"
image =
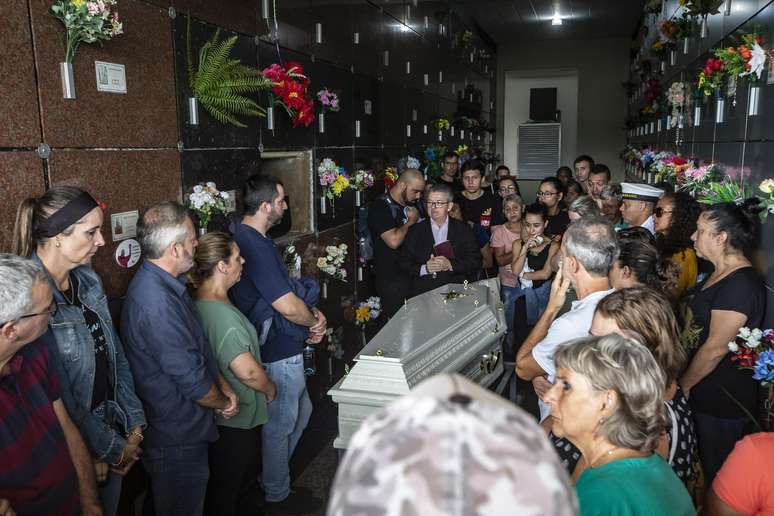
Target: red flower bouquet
[{"x": 289, "y": 90}]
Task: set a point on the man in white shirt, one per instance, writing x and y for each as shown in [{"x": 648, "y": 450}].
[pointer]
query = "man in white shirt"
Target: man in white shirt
[
  {"x": 589, "y": 248},
  {"x": 638, "y": 203}
]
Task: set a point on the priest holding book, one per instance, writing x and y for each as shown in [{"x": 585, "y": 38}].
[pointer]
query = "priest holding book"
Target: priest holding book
[{"x": 440, "y": 249}]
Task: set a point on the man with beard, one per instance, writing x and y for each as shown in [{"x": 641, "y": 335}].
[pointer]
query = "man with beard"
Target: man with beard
[
  {"x": 175, "y": 373},
  {"x": 263, "y": 293},
  {"x": 389, "y": 219}
]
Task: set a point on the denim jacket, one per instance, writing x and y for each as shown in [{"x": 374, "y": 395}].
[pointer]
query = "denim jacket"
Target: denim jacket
[{"x": 78, "y": 364}]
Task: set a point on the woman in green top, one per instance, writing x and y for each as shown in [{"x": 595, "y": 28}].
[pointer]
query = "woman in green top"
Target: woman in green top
[
  {"x": 608, "y": 401},
  {"x": 234, "y": 341}
]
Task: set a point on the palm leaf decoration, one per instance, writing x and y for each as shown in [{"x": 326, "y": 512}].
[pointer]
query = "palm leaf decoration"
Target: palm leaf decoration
[{"x": 220, "y": 82}]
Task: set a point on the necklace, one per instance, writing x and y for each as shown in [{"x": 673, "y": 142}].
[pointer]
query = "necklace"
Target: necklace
[
  {"x": 605, "y": 455},
  {"x": 71, "y": 298}
]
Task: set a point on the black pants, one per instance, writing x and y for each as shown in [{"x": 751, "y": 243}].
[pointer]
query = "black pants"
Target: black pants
[
  {"x": 234, "y": 466},
  {"x": 392, "y": 293}
]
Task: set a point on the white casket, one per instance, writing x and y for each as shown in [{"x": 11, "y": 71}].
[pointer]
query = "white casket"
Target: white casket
[{"x": 454, "y": 328}]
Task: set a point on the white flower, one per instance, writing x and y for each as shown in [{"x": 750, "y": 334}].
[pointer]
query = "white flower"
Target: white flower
[
  {"x": 197, "y": 189},
  {"x": 343, "y": 273},
  {"x": 733, "y": 347},
  {"x": 752, "y": 343},
  {"x": 210, "y": 184},
  {"x": 224, "y": 195},
  {"x": 290, "y": 249},
  {"x": 757, "y": 61},
  {"x": 756, "y": 334},
  {"x": 744, "y": 332}
]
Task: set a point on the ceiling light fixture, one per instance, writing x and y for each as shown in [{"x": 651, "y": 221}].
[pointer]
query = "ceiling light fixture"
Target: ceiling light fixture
[{"x": 556, "y": 20}]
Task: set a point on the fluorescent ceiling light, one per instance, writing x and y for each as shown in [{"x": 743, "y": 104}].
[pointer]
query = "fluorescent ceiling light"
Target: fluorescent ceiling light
[{"x": 556, "y": 20}]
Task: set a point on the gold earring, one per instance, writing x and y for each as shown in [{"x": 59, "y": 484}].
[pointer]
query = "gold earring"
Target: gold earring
[{"x": 58, "y": 243}]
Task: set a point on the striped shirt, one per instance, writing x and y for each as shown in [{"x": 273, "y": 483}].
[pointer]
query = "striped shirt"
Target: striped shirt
[{"x": 37, "y": 475}]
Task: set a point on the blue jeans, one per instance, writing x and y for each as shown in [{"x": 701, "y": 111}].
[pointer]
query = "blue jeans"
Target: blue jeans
[
  {"x": 110, "y": 493},
  {"x": 288, "y": 416},
  {"x": 178, "y": 478}
]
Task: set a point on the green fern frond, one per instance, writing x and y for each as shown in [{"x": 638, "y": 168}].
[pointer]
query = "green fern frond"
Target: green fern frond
[{"x": 220, "y": 82}]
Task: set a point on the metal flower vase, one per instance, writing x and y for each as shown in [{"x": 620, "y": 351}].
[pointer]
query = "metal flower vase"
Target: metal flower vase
[
  {"x": 193, "y": 111},
  {"x": 68, "y": 80},
  {"x": 270, "y": 118},
  {"x": 704, "y": 27}
]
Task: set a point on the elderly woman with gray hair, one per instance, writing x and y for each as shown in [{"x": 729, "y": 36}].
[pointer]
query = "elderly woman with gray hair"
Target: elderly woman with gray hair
[{"x": 608, "y": 401}]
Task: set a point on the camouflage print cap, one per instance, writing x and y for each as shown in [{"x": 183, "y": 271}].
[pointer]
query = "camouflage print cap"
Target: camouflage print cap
[{"x": 451, "y": 448}]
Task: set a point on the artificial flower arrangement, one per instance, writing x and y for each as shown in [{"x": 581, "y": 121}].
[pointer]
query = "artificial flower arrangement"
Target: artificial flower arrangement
[
  {"x": 753, "y": 349},
  {"x": 670, "y": 168},
  {"x": 653, "y": 6},
  {"x": 292, "y": 261},
  {"x": 659, "y": 49},
  {"x": 329, "y": 100},
  {"x": 335, "y": 345},
  {"x": 441, "y": 124},
  {"x": 433, "y": 154},
  {"x": 206, "y": 201},
  {"x": 290, "y": 90},
  {"x": 333, "y": 179},
  {"x": 702, "y": 8},
  {"x": 670, "y": 30},
  {"x": 86, "y": 22},
  {"x": 390, "y": 177},
  {"x": 362, "y": 180},
  {"x": 745, "y": 60},
  {"x": 332, "y": 264},
  {"x": 368, "y": 311},
  {"x": 408, "y": 162}
]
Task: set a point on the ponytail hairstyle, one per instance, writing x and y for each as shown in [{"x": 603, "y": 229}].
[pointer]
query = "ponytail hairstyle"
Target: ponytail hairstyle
[
  {"x": 647, "y": 265},
  {"x": 213, "y": 248},
  {"x": 739, "y": 222},
  {"x": 32, "y": 214}
]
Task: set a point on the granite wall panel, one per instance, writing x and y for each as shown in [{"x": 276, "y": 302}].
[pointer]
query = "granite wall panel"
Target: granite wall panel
[
  {"x": 124, "y": 180},
  {"x": 19, "y": 107},
  {"x": 143, "y": 117},
  {"x": 21, "y": 176}
]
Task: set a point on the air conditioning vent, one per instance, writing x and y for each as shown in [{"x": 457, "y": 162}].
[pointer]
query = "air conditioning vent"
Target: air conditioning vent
[{"x": 539, "y": 150}]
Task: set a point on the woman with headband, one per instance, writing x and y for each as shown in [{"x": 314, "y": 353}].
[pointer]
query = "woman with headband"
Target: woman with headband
[{"x": 62, "y": 230}]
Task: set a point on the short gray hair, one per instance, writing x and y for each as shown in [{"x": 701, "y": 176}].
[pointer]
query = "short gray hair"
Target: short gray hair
[
  {"x": 441, "y": 188},
  {"x": 612, "y": 191},
  {"x": 162, "y": 224},
  {"x": 585, "y": 206},
  {"x": 593, "y": 243},
  {"x": 17, "y": 277},
  {"x": 515, "y": 198},
  {"x": 626, "y": 366}
]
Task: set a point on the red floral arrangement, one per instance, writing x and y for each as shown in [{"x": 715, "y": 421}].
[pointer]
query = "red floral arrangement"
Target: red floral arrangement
[{"x": 290, "y": 91}]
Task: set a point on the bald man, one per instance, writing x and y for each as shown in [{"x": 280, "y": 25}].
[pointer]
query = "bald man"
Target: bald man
[{"x": 389, "y": 219}]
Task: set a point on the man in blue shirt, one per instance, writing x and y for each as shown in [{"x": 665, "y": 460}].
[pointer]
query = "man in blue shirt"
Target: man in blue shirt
[
  {"x": 175, "y": 374},
  {"x": 264, "y": 291}
]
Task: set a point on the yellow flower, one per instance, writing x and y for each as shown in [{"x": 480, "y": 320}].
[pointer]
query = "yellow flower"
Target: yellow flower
[
  {"x": 321, "y": 262},
  {"x": 78, "y": 3},
  {"x": 362, "y": 314},
  {"x": 462, "y": 149}
]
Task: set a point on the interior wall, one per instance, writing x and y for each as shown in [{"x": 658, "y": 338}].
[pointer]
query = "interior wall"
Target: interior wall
[
  {"x": 602, "y": 66},
  {"x": 516, "y": 108}
]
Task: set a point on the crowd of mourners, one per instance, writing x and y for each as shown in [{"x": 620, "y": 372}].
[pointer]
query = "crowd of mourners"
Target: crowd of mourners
[{"x": 621, "y": 300}]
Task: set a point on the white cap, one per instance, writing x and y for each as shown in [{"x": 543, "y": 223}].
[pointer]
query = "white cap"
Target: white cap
[{"x": 640, "y": 192}]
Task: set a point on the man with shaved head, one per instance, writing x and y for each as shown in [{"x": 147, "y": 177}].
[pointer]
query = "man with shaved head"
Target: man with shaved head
[{"x": 389, "y": 219}]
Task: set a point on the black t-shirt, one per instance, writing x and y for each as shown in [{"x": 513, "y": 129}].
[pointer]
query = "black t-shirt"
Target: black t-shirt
[
  {"x": 455, "y": 185},
  {"x": 741, "y": 291},
  {"x": 102, "y": 388},
  {"x": 557, "y": 224},
  {"x": 480, "y": 210},
  {"x": 385, "y": 214}
]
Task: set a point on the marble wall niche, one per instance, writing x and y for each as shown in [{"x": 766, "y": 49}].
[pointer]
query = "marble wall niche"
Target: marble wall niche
[
  {"x": 125, "y": 180},
  {"x": 143, "y": 117},
  {"x": 21, "y": 176}
]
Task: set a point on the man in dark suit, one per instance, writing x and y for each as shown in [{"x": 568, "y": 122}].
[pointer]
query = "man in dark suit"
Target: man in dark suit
[{"x": 440, "y": 249}]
